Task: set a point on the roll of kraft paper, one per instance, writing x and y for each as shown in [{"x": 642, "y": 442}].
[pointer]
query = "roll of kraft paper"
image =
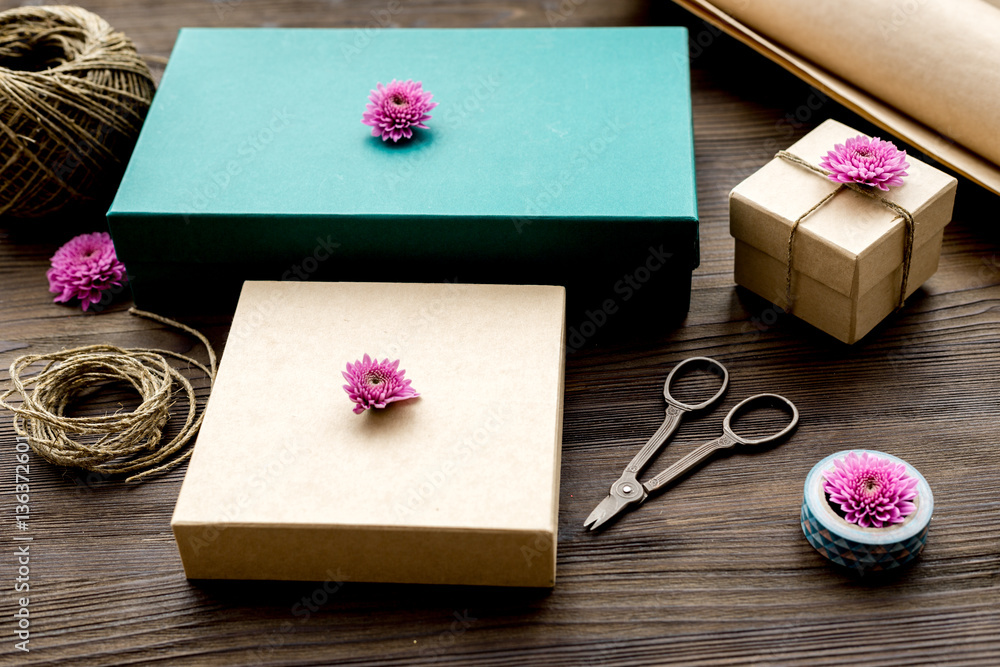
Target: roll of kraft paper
[{"x": 927, "y": 70}]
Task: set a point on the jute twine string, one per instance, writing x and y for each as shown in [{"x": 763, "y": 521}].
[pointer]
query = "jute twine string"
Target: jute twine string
[
  {"x": 73, "y": 95},
  {"x": 94, "y": 443},
  {"x": 891, "y": 205}
]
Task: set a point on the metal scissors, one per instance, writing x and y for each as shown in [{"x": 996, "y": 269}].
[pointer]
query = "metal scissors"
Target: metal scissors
[{"x": 628, "y": 492}]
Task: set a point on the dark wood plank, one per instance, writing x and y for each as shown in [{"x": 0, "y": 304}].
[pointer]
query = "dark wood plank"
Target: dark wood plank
[{"x": 716, "y": 572}]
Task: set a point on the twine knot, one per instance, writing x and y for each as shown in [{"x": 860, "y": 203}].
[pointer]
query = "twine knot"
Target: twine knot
[{"x": 891, "y": 205}]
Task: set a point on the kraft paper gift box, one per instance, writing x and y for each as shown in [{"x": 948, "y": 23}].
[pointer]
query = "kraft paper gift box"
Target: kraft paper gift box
[
  {"x": 555, "y": 156},
  {"x": 847, "y": 256},
  {"x": 458, "y": 486}
]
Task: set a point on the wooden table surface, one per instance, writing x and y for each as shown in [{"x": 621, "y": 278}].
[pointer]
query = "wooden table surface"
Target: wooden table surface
[{"x": 714, "y": 572}]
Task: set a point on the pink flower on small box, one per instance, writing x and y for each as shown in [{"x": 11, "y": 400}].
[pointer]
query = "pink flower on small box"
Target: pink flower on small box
[
  {"x": 866, "y": 161},
  {"x": 376, "y": 384},
  {"x": 84, "y": 268},
  {"x": 871, "y": 491},
  {"x": 394, "y": 109}
]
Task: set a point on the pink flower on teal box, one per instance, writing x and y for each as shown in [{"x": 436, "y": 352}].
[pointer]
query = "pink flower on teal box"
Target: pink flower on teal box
[{"x": 394, "y": 109}]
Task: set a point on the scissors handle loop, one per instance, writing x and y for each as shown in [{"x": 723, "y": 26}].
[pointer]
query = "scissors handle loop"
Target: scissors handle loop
[
  {"x": 676, "y": 410},
  {"x": 759, "y": 401},
  {"x": 705, "y": 363},
  {"x": 728, "y": 439}
]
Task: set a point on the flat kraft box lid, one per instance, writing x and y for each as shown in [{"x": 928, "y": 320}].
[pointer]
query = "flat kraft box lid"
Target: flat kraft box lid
[
  {"x": 584, "y": 125},
  {"x": 851, "y": 242},
  {"x": 456, "y": 486}
]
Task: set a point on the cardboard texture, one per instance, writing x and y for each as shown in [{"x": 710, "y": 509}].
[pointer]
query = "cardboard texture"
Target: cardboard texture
[
  {"x": 848, "y": 254},
  {"x": 925, "y": 71},
  {"x": 458, "y": 486},
  {"x": 253, "y": 161}
]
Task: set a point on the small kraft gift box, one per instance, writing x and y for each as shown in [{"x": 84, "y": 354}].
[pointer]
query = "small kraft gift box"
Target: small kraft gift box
[
  {"x": 837, "y": 258},
  {"x": 459, "y": 485}
]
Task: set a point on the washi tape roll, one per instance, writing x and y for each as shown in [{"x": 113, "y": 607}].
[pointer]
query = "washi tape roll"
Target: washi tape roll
[{"x": 864, "y": 549}]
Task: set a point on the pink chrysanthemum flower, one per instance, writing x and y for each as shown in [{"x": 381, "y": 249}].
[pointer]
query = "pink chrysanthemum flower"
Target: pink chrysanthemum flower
[
  {"x": 84, "y": 268},
  {"x": 376, "y": 384},
  {"x": 871, "y": 491},
  {"x": 866, "y": 161},
  {"x": 396, "y": 108}
]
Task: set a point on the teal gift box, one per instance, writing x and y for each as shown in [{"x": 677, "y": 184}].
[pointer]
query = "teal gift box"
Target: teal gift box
[{"x": 558, "y": 156}]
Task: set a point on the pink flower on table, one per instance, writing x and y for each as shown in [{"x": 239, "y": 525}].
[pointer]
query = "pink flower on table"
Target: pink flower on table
[
  {"x": 871, "y": 491},
  {"x": 866, "y": 161},
  {"x": 84, "y": 268},
  {"x": 394, "y": 109},
  {"x": 376, "y": 384}
]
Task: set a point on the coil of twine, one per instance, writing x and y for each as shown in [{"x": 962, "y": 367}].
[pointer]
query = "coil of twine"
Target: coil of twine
[
  {"x": 122, "y": 442},
  {"x": 73, "y": 96}
]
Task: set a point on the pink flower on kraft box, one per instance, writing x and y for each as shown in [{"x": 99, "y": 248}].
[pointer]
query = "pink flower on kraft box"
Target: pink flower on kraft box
[
  {"x": 395, "y": 109},
  {"x": 84, "y": 268},
  {"x": 376, "y": 384},
  {"x": 871, "y": 491},
  {"x": 866, "y": 161}
]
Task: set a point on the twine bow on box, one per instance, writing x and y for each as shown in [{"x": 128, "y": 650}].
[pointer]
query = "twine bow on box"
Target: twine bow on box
[{"x": 892, "y": 206}]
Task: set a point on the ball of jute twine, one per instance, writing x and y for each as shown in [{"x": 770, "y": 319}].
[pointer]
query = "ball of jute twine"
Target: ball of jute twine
[
  {"x": 122, "y": 442},
  {"x": 73, "y": 95}
]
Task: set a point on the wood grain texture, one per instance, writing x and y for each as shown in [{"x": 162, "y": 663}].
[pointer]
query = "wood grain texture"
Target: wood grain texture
[{"x": 714, "y": 572}]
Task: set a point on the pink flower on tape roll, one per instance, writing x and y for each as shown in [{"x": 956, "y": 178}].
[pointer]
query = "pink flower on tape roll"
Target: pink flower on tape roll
[
  {"x": 866, "y": 161},
  {"x": 871, "y": 491},
  {"x": 84, "y": 268},
  {"x": 395, "y": 109},
  {"x": 376, "y": 384}
]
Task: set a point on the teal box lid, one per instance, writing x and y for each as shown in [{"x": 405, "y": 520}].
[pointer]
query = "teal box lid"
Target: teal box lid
[{"x": 548, "y": 145}]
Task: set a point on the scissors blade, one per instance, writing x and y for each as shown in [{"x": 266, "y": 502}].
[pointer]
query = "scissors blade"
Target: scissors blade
[{"x": 608, "y": 508}]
